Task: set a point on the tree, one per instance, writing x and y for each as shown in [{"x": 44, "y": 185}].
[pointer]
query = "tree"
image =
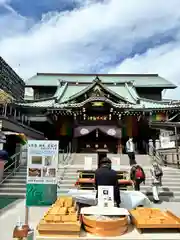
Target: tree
[{"x": 5, "y": 98}]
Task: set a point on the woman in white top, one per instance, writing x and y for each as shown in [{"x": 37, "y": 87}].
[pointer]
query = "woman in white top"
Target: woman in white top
[{"x": 156, "y": 176}]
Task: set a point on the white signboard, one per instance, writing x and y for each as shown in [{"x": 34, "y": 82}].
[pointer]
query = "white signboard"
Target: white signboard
[
  {"x": 166, "y": 142},
  {"x": 165, "y": 133},
  {"x": 105, "y": 196},
  {"x": 88, "y": 163},
  {"x": 42, "y": 162},
  {"x": 116, "y": 163}
]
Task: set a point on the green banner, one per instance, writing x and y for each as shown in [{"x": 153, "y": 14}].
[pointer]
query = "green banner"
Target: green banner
[{"x": 41, "y": 194}]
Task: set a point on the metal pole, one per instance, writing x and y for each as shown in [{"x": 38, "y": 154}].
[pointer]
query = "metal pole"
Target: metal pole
[
  {"x": 177, "y": 147},
  {"x": 26, "y": 215}
]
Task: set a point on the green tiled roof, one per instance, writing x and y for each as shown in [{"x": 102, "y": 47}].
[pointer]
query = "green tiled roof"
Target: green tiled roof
[
  {"x": 128, "y": 97},
  {"x": 139, "y": 80},
  {"x": 71, "y": 91},
  {"x": 123, "y": 91},
  {"x": 151, "y": 104},
  {"x": 39, "y": 104},
  {"x": 42, "y": 80}
]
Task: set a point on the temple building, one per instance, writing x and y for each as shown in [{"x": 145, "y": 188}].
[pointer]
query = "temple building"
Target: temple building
[{"x": 98, "y": 111}]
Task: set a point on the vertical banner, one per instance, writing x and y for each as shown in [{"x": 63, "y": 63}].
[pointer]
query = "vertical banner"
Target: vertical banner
[{"x": 42, "y": 167}]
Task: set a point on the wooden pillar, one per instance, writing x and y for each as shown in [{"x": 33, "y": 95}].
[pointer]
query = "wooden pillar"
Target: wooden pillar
[
  {"x": 119, "y": 147},
  {"x": 119, "y": 144},
  {"x": 129, "y": 126}
]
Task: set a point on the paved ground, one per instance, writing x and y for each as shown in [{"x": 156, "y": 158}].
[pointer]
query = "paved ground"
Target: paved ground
[{"x": 9, "y": 218}]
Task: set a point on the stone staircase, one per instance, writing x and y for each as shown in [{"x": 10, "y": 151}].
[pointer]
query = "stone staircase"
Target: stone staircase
[
  {"x": 15, "y": 185},
  {"x": 170, "y": 191}
]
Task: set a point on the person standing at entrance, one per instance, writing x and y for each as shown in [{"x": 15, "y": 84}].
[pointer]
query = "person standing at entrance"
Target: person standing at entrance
[
  {"x": 130, "y": 151},
  {"x": 105, "y": 176},
  {"x": 137, "y": 175}
]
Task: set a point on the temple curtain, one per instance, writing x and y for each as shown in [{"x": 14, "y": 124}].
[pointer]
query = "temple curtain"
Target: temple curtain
[
  {"x": 109, "y": 130},
  {"x": 83, "y": 130}
]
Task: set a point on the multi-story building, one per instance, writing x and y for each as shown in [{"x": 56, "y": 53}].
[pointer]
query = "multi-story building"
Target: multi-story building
[{"x": 10, "y": 82}]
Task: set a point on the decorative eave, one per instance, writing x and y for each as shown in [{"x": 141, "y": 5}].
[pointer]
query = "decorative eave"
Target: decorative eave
[
  {"x": 142, "y": 104},
  {"x": 60, "y": 92},
  {"x": 95, "y": 99}
]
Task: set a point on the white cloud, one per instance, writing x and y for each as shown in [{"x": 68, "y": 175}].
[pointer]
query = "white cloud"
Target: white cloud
[
  {"x": 2, "y": 2},
  {"x": 95, "y": 35}
]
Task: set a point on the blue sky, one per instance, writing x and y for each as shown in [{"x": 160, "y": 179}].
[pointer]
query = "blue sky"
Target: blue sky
[{"x": 117, "y": 36}]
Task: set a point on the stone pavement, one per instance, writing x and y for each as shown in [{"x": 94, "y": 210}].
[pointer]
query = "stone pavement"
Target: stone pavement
[{"x": 9, "y": 218}]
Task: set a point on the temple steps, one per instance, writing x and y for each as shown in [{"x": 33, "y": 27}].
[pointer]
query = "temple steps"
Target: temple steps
[
  {"x": 15, "y": 185},
  {"x": 170, "y": 191}
]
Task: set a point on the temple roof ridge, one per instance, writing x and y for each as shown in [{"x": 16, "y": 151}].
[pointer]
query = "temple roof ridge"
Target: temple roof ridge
[
  {"x": 134, "y": 95},
  {"x": 100, "y": 74},
  {"x": 140, "y": 80},
  {"x": 60, "y": 91}
]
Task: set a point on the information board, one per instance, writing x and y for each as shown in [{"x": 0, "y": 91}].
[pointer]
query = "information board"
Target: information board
[
  {"x": 166, "y": 142},
  {"x": 42, "y": 168}
]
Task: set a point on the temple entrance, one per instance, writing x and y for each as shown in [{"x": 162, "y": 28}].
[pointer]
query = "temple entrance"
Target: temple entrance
[
  {"x": 138, "y": 129},
  {"x": 97, "y": 141}
]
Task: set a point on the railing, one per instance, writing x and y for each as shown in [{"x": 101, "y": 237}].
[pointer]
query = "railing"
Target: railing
[
  {"x": 9, "y": 111},
  {"x": 13, "y": 167},
  {"x": 170, "y": 157},
  {"x": 65, "y": 159},
  {"x": 156, "y": 156},
  {"x": 165, "y": 157},
  {"x": 65, "y": 155}
]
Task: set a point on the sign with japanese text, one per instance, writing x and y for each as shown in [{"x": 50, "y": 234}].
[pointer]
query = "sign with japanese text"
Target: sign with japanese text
[
  {"x": 105, "y": 196},
  {"x": 42, "y": 168}
]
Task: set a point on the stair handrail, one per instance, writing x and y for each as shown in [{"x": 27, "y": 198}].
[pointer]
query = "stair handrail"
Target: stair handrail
[
  {"x": 16, "y": 164},
  {"x": 153, "y": 153},
  {"x": 67, "y": 160},
  {"x": 169, "y": 157},
  {"x": 157, "y": 155},
  {"x": 66, "y": 155}
]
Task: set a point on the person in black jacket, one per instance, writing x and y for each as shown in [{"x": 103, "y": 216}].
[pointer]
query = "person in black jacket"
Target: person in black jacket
[{"x": 105, "y": 176}]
